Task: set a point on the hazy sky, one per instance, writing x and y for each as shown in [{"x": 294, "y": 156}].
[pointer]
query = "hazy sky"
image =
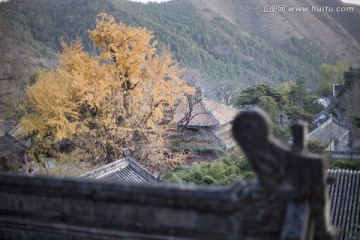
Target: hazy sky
[
  {"x": 352, "y": 1},
  {"x": 145, "y": 1}
]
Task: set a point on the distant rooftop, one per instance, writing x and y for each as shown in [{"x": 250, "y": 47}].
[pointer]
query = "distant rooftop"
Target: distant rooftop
[
  {"x": 10, "y": 143},
  {"x": 201, "y": 140},
  {"x": 328, "y": 132},
  {"x": 122, "y": 170},
  {"x": 206, "y": 113},
  {"x": 7, "y": 127},
  {"x": 10, "y": 146},
  {"x": 345, "y": 202}
]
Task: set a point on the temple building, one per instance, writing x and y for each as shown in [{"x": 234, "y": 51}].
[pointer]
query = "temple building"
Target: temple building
[{"x": 204, "y": 125}]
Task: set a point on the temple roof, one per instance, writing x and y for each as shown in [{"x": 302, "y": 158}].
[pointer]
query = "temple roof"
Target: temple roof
[
  {"x": 10, "y": 146},
  {"x": 7, "y": 127},
  {"x": 200, "y": 139},
  {"x": 345, "y": 202},
  {"x": 328, "y": 132},
  {"x": 122, "y": 170},
  {"x": 205, "y": 113}
]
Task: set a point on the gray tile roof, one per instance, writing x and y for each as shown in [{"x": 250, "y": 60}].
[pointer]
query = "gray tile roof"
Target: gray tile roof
[
  {"x": 7, "y": 127},
  {"x": 122, "y": 170},
  {"x": 204, "y": 139},
  {"x": 329, "y": 131},
  {"x": 201, "y": 139},
  {"x": 206, "y": 113},
  {"x": 345, "y": 202},
  {"x": 207, "y": 127},
  {"x": 10, "y": 131},
  {"x": 10, "y": 146}
]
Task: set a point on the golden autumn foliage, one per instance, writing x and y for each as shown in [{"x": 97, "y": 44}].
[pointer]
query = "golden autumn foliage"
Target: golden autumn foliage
[{"x": 111, "y": 102}]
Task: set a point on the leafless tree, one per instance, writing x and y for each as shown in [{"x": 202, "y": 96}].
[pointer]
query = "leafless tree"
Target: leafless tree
[
  {"x": 189, "y": 114},
  {"x": 226, "y": 91},
  {"x": 350, "y": 103}
]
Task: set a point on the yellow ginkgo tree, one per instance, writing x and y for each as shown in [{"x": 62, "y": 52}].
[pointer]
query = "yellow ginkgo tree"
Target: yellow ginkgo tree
[{"x": 107, "y": 103}]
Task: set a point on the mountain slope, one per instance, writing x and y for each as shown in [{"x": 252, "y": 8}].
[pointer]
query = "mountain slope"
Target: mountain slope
[
  {"x": 229, "y": 42},
  {"x": 337, "y": 33}
]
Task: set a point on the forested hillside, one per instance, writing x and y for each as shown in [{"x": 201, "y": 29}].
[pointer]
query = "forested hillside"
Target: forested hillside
[
  {"x": 213, "y": 46},
  {"x": 336, "y": 32}
]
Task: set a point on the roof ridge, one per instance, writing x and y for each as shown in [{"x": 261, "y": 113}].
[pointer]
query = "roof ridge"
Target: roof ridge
[
  {"x": 14, "y": 129},
  {"x": 322, "y": 126},
  {"x": 209, "y": 111},
  {"x": 125, "y": 166},
  {"x": 343, "y": 171},
  {"x": 339, "y": 123},
  {"x": 141, "y": 169},
  {"x": 106, "y": 169}
]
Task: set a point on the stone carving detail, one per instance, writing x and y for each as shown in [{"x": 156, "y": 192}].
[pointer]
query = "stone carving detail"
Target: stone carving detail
[
  {"x": 252, "y": 130},
  {"x": 289, "y": 171}
]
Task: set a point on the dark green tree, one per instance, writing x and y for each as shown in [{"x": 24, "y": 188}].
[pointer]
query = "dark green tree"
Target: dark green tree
[
  {"x": 269, "y": 104},
  {"x": 356, "y": 121},
  {"x": 302, "y": 102},
  {"x": 351, "y": 77},
  {"x": 297, "y": 92},
  {"x": 255, "y": 95},
  {"x": 349, "y": 100}
]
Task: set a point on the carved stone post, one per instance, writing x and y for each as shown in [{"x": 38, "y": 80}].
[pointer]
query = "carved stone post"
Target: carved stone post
[{"x": 291, "y": 172}]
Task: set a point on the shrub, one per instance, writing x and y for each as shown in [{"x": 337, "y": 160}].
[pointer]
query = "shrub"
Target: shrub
[
  {"x": 343, "y": 164},
  {"x": 221, "y": 172}
]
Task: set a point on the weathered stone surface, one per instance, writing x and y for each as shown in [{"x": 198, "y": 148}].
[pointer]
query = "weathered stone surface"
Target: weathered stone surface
[
  {"x": 288, "y": 201},
  {"x": 290, "y": 171}
]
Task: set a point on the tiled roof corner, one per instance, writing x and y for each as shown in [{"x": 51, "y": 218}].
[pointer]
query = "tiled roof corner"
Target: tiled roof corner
[
  {"x": 209, "y": 111},
  {"x": 122, "y": 170},
  {"x": 222, "y": 113}
]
